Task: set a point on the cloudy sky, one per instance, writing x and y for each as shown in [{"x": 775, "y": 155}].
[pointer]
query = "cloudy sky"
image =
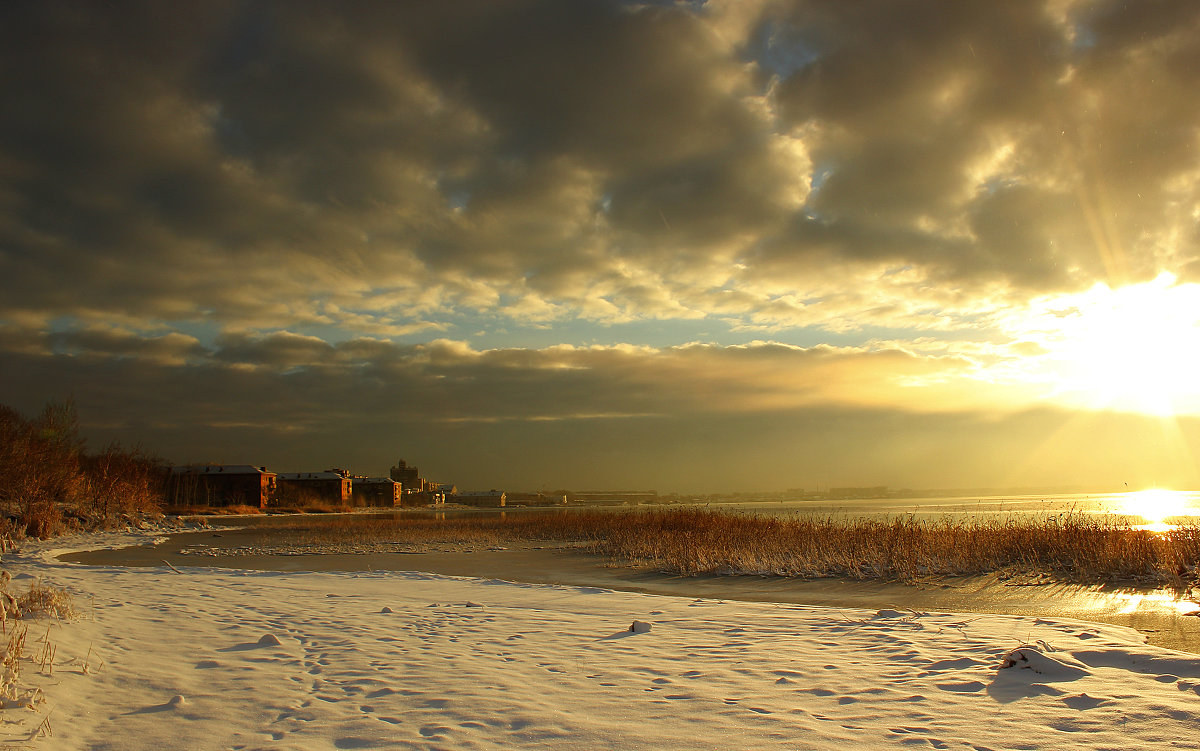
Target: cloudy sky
[{"x": 684, "y": 246}]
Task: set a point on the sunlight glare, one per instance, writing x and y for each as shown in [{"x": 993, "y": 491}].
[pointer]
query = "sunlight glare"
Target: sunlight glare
[
  {"x": 1134, "y": 348},
  {"x": 1156, "y": 506}
]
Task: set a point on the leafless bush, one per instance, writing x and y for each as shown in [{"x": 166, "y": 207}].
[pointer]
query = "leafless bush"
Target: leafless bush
[
  {"x": 40, "y": 466},
  {"x": 47, "y": 481},
  {"x": 123, "y": 481}
]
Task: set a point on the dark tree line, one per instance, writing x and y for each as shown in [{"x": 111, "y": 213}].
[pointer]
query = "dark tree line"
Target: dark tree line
[{"x": 50, "y": 483}]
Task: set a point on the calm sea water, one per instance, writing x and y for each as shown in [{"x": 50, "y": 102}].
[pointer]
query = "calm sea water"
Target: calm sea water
[{"x": 1157, "y": 508}]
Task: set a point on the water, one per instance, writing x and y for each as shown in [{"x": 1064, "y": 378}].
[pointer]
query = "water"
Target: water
[{"x": 1158, "y": 510}]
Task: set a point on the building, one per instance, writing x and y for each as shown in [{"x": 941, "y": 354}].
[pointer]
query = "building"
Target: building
[
  {"x": 376, "y": 491},
  {"x": 493, "y": 498},
  {"x": 536, "y": 499},
  {"x": 333, "y": 487},
  {"x": 613, "y": 497},
  {"x": 426, "y": 497},
  {"x": 844, "y": 494},
  {"x": 408, "y": 476},
  {"x": 221, "y": 485}
]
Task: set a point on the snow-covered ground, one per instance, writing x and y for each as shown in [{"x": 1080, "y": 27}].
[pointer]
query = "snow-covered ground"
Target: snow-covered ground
[{"x": 205, "y": 658}]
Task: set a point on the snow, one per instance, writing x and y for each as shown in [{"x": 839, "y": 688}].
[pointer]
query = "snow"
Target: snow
[{"x": 208, "y": 658}]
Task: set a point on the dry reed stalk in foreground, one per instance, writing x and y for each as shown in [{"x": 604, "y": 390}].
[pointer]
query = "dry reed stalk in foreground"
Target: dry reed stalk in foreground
[
  {"x": 11, "y": 694},
  {"x": 39, "y": 599}
]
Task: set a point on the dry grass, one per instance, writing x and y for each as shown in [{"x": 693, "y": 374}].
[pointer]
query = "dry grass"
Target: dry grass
[
  {"x": 484, "y": 529},
  {"x": 319, "y": 507},
  {"x": 10, "y": 667},
  {"x": 42, "y": 599},
  {"x": 1069, "y": 547},
  {"x": 234, "y": 510}
]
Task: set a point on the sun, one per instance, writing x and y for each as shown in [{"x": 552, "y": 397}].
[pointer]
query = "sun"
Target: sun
[
  {"x": 1133, "y": 348},
  {"x": 1156, "y": 506}
]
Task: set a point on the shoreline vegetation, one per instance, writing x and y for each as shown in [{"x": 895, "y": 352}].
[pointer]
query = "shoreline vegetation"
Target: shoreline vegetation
[
  {"x": 50, "y": 485},
  {"x": 1072, "y": 548}
]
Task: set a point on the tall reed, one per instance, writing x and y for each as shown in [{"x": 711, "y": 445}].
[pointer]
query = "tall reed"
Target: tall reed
[{"x": 1069, "y": 547}]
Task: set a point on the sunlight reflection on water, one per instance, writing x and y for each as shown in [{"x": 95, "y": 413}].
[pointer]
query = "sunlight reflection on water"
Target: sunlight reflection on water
[
  {"x": 1132, "y": 602},
  {"x": 1157, "y": 509},
  {"x": 1161, "y": 509}
]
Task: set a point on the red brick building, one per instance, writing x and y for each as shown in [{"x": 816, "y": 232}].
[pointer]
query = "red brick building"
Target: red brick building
[
  {"x": 221, "y": 485},
  {"x": 323, "y": 487},
  {"x": 376, "y": 491}
]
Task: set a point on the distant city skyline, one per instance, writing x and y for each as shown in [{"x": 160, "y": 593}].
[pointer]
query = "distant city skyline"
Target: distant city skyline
[{"x": 695, "y": 247}]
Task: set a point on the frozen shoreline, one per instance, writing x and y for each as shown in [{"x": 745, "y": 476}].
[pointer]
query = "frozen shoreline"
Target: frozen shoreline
[
  {"x": 389, "y": 659},
  {"x": 1156, "y": 614}
]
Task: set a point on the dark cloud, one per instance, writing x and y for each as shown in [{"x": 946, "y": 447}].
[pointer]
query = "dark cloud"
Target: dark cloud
[
  {"x": 541, "y": 146},
  {"x": 521, "y": 420},
  {"x": 263, "y": 199},
  {"x": 1090, "y": 111}
]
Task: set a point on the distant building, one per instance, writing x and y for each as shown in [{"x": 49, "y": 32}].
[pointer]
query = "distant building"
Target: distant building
[
  {"x": 332, "y": 487},
  {"x": 221, "y": 485},
  {"x": 494, "y": 498},
  {"x": 536, "y": 499},
  {"x": 842, "y": 494},
  {"x": 408, "y": 476},
  {"x": 613, "y": 497},
  {"x": 376, "y": 491}
]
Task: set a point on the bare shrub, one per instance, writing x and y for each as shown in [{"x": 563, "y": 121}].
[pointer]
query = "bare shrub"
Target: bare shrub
[
  {"x": 40, "y": 466},
  {"x": 123, "y": 481},
  {"x": 47, "y": 481},
  {"x": 43, "y": 519}
]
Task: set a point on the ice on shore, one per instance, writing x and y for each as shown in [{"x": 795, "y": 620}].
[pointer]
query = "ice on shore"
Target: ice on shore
[{"x": 266, "y": 660}]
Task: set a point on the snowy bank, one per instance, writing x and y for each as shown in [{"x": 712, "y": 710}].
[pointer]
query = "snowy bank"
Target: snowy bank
[{"x": 214, "y": 659}]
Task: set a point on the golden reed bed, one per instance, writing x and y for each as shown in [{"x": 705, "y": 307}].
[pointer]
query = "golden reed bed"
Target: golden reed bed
[{"x": 1068, "y": 547}]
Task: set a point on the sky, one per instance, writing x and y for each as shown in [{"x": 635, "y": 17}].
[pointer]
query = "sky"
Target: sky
[{"x": 697, "y": 246}]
